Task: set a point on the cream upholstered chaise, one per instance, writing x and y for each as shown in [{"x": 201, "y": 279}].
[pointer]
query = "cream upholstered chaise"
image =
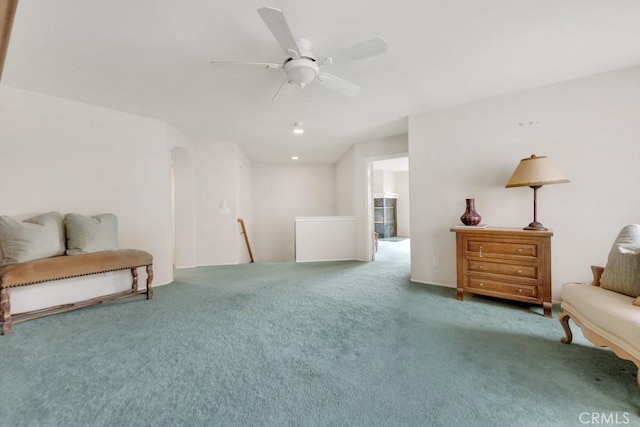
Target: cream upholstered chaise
[{"x": 606, "y": 309}]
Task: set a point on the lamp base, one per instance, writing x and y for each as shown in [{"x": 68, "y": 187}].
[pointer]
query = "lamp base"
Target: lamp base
[{"x": 535, "y": 226}]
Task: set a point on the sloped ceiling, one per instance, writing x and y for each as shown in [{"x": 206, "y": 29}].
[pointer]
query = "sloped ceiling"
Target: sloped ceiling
[{"x": 152, "y": 58}]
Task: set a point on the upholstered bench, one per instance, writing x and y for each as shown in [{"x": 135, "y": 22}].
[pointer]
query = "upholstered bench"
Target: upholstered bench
[
  {"x": 64, "y": 267},
  {"x": 50, "y": 247}
]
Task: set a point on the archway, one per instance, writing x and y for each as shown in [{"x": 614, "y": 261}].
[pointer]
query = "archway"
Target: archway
[{"x": 183, "y": 209}]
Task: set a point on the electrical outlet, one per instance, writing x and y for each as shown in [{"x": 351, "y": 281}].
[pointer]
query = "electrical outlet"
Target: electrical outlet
[{"x": 436, "y": 260}]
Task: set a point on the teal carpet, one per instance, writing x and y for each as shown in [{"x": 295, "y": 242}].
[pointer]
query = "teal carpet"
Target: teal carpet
[{"x": 308, "y": 344}]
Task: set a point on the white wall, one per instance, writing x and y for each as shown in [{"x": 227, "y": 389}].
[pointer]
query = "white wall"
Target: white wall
[
  {"x": 346, "y": 183},
  {"x": 222, "y": 173},
  {"x": 588, "y": 127},
  {"x": 72, "y": 157},
  {"x": 377, "y": 181},
  {"x": 325, "y": 238},
  {"x": 403, "y": 203},
  {"x": 384, "y": 181},
  {"x": 282, "y": 192},
  {"x": 353, "y": 181}
]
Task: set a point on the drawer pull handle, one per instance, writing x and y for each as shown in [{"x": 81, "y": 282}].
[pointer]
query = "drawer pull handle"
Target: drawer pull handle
[
  {"x": 480, "y": 251},
  {"x": 481, "y": 267},
  {"x": 481, "y": 284},
  {"x": 519, "y": 271},
  {"x": 519, "y": 250},
  {"x": 519, "y": 291}
]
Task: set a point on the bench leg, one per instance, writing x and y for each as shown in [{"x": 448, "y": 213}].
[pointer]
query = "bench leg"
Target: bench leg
[
  {"x": 134, "y": 275},
  {"x": 149, "y": 280},
  {"x": 5, "y": 309}
]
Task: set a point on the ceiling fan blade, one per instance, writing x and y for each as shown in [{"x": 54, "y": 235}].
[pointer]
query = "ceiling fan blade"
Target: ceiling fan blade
[
  {"x": 285, "y": 89},
  {"x": 254, "y": 64},
  {"x": 362, "y": 50},
  {"x": 338, "y": 84},
  {"x": 277, "y": 23}
]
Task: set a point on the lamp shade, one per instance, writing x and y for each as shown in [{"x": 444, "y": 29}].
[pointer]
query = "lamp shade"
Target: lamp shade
[{"x": 535, "y": 171}]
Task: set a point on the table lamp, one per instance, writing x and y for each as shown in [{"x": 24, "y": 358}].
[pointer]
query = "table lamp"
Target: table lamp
[{"x": 534, "y": 172}]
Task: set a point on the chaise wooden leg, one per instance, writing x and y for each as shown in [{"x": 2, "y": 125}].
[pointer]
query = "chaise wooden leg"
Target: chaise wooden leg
[
  {"x": 134, "y": 275},
  {"x": 564, "y": 321},
  {"x": 5, "y": 309},
  {"x": 149, "y": 280}
]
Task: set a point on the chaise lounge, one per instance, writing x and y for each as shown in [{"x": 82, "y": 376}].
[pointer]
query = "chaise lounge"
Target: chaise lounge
[{"x": 607, "y": 310}]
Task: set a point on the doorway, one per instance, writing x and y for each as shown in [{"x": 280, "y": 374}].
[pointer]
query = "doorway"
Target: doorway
[{"x": 389, "y": 200}]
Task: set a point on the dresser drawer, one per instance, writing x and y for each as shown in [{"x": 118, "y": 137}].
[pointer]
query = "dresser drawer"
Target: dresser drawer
[
  {"x": 498, "y": 288},
  {"x": 489, "y": 248},
  {"x": 512, "y": 270}
]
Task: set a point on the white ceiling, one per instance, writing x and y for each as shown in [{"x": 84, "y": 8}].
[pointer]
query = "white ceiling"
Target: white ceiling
[{"x": 151, "y": 57}]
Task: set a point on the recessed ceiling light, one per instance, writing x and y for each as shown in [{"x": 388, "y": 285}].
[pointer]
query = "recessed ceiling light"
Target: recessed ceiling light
[
  {"x": 294, "y": 157},
  {"x": 297, "y": 128}
]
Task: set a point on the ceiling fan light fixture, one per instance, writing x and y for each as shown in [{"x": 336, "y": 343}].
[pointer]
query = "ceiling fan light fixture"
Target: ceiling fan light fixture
[
  {"x": 301, "y": 71},
  {"x": 297, "y": 128}
]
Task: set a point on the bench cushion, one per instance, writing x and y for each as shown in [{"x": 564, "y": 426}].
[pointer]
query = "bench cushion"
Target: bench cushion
[
  {"x": 65, "y": 266},
  {"x": 607, "y": 311}
]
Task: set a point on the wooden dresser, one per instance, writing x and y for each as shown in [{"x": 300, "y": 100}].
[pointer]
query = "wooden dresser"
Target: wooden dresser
[{"x": 508, "y": 263}]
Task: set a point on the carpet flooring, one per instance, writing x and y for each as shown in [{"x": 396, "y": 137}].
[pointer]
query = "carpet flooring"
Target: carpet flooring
[{"x": 341, "y": 343}]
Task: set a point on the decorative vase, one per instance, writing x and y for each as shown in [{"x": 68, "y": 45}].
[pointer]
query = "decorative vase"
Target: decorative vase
[{"x": 470, "y": 216}]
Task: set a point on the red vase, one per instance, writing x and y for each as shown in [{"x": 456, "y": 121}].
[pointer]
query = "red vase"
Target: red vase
[{"x": 470, "y": 216}]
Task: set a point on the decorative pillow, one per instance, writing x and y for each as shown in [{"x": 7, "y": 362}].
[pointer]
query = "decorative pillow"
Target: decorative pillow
[
  {"x": 39, "y": 237},
  {"x": 622, "y": 273},
  {"x": 86, "y": 234}
]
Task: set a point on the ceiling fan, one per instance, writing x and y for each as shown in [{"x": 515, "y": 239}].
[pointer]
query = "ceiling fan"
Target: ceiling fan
[{"x": 301, "y": 66}]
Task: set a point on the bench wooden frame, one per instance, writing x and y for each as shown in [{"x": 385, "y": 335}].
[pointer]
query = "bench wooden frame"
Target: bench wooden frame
[{"x": 65, "y": 267}]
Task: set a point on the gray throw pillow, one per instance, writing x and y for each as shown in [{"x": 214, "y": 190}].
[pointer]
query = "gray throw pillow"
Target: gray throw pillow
[
  {"x": 39, "y": 237},
  {"x": 622, "y": 272},
  {"x": 87, "y": 234}
]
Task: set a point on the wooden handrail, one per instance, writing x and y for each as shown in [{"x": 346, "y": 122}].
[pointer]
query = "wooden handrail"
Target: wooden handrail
[
  {"x": 7, "y": 13},
  {"x": 246, "y": 238}
]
